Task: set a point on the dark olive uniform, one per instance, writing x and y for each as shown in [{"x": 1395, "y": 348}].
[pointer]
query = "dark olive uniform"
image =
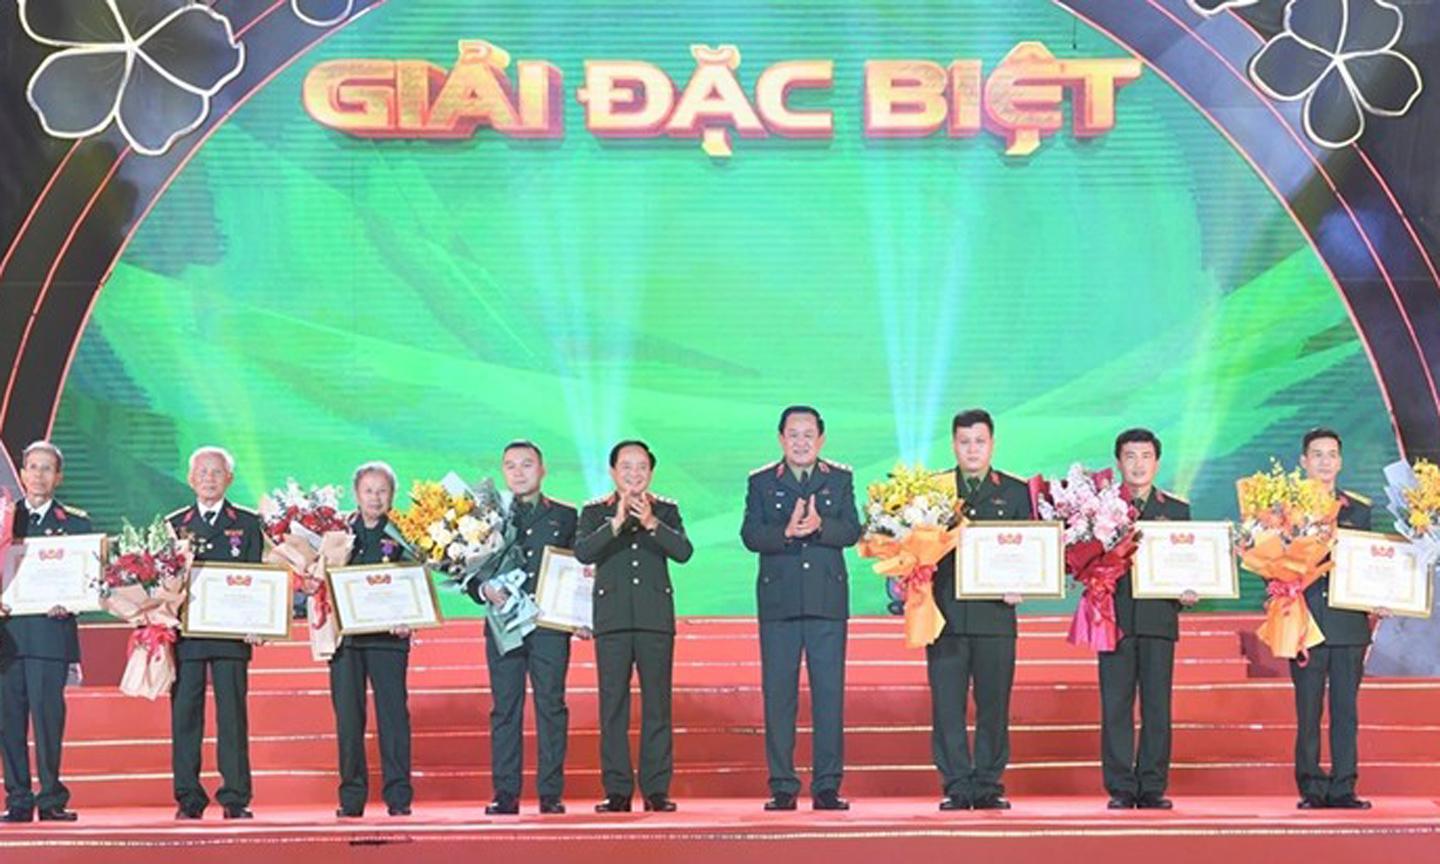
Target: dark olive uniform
[
  {"x": 976, "y": 648},
  {"x": 384, "y": 660},
  {"x": 803, "y": 595},
  {"x": 544, "y": 655},
  {"x": 634, "y": 632},
  {"x": 1143, "y": 661},
  {"x": 1338, "y": 662},
  {"x": 233, "y": 537},
  {"x": 35, "y": 656}
]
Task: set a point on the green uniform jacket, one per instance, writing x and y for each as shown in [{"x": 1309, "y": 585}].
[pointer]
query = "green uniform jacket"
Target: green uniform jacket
[
  {"x": 632, "y": 573},
  {"x": 375, "y": 546},
  {"x": 1158, "y": 618},
  {"x": 1002, "y": 498},
  {"x": 801, "y": 577},
  {"x": 1341, "y": 626},
  {"x": 235, "y": 538},
  {"x": 547, "y": 523},
  {"x": 41, "y": 636}
]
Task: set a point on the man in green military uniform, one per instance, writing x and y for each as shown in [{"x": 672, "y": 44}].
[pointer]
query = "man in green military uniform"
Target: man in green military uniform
[
  {"x": 217, "y": 531},
  {"x": 544, "y": 654},
  {"x": 383, "y": 658},
  {"x": 978, "y": 642},
  {"x": 630, "y": 536},
  {"x": 35, "y": 655},
  {"x": 1144, "y": 658},
  {"x": 800, "y": 516},
  {"x": 1338, "y": 662}
]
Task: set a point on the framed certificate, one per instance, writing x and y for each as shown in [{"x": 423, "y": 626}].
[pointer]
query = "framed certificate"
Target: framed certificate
[
  {"x": 377, "y": 598},
  {"x": 564, "y": 592},
  {"x": 232, "y": 601},
  {"x": 1379, "y": 570},
  {"x": 999, "y": 558},
  {"x": 40, "y": 573},
  {"x": 1175, "y": 557}
]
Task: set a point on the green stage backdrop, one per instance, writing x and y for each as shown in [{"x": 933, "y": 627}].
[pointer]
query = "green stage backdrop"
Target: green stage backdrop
[{"x": 312, "y": 300}]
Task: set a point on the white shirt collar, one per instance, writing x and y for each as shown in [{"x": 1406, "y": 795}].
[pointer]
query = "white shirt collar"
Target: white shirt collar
[
  {"x": 42, "y": 510},
  {"x": 206, "y": 511}
]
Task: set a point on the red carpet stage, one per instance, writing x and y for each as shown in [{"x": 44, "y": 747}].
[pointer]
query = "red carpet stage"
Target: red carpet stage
[{"x": 1231, "y": 778}]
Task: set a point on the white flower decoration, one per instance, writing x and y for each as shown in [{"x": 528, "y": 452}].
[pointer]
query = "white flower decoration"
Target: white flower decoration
[
  {"x": 150, "y": 66},
  {"x": 1337, "y": 56}
]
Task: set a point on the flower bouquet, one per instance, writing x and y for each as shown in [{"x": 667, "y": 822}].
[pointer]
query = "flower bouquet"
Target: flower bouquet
[
  {"x": 1414, "y": 494},
  {"x": 466, "y": 534},
  {"x": 911, "y": 521},
  {"x": 308, "y": 534},
  {"x": 1287, "y": 529},
  {"x": 144, "y": 584},
  {"x": 1099, "y": 545}
]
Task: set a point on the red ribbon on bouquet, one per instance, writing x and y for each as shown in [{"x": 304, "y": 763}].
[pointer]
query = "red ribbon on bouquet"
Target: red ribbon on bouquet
[
  {"x": 154, "y": 637},
  {"x": 1098, "y": 570},
  {"x": 320, "y": 595}
]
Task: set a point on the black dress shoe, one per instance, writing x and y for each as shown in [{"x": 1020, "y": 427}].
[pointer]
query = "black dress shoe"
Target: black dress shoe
[
  {"x": 235, "y": 811},
  {"x": 190, "y": 812},
  {"x": 350, "y": 812},
  {"x": 1121, "y": 802},
  {"x": 1154, "y": 802},
  {"x": 18, "y": 814},
  {"x": 614, "y": 804},
  {"x": 991, "y": 802},
  {"x": 551, "y": 806},
  {"x": 1310, "y": 802},
  {"x": 829, "y": 800},
  {"x": 1348, "y": 802},
  {"x": 780, "y": 801},
  {"x": 955, "y": 802},
  {"x": 398, "y": 811},
  {"x": 659, "y": 803},
  {"x": 58, "y": 814},
  {"x": 503, "y": 805}
]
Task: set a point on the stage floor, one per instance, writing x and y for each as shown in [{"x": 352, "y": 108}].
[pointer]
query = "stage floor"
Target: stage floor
[{"x": 705, "y": 830}]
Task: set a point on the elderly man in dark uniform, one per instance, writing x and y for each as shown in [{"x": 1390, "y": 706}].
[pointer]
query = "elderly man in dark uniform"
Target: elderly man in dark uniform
[
  {"x": 800, "y": 516},
  {"x": 544, "y": 654},
  {"x": 630, "y": 536},
  {"x": 35, "y": 655},
  {"x": 977, "y": 646},
  {"x": 217, "y": 530}
]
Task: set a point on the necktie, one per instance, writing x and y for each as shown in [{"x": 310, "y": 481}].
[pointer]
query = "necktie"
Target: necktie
[
  {"x": 34, "y": 520},
  {"x": 210, "y": 517}
]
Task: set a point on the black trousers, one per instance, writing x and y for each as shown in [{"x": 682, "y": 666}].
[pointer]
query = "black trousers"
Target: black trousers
[
  {"x": 32, "y": 690},
  {"x": 1143, "y": 664},
  {"x": 1340, "y": 667},
  {"x": 617, "y": 656},
  {"x": 229, "y": 678},
  {"x": 385, "y": 669},
  {"x": 545, "y": 657},
  {"x": 955, "y": 664},
  {"x": 822, "y": 641}
]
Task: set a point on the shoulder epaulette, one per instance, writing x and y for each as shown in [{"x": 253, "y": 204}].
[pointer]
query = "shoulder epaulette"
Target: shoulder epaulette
[
  {"x": 768, "y": 466},
  {"x": 558, "y": 501},
  {"x": 1006, "y": 475},
  {"x": 662, "y": 498},
  {"x": 73, "y": 511},
  {"x": 601, "y": 499},
  {"x": 841, "y": 465},
  {"x": 1358, "y": 497},
  {"x": 1172, "y": 495},
  {"x": 246, "y": 510},
  {"x": 172, "y": 515}
]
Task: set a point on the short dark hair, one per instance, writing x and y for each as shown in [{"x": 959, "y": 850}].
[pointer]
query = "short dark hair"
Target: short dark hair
[
  {"x": 1137, "y": 436},
  {"x": 1316, "y": 434},
  {"x": 631, "y": 442},
  {"x": 970, "y": 417},
  {"x": 523, "y": 444},
  {"x": 801, "y": 409}
]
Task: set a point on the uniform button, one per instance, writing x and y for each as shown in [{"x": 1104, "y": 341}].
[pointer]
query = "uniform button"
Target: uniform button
[
  {"x": 806, "y": 565},
  {"x": 529, "y": 531},
  {"x": 634, "y": 545},
  {"x": 778, "y": 507},
  {"x": 634, "y": 563},
  {"x": 529, "y": 553},
  {"x": 635, "y": 581}
]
